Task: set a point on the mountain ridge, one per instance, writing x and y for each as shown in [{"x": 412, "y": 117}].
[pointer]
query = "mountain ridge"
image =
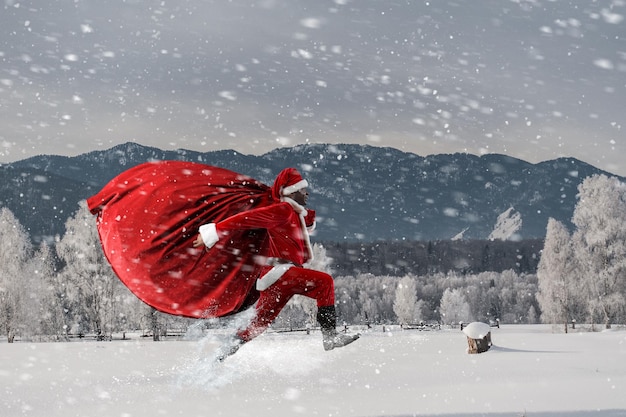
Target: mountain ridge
[{"x": 360, "y": 192}]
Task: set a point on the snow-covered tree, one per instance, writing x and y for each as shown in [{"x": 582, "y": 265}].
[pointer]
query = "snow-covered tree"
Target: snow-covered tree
[
  {"x": 44, "y": 314},
  {"x": 507, "y": 296},
  {"x": 532, "y": 315},
  {"x": 420, "y": 308},
  {"x": 406, "y": 301},
  {"x": 15, "y": 251},
  {"x": 321, "y": 261},
  {"x": 90, "y": 286},
  {"x": 599, "y": 243},
  {"x": 453, "y": 307},
  {"x": 556, "y": 273}
]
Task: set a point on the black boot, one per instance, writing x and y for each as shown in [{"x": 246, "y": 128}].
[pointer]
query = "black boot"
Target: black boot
[{"x": 327, "y": 317}]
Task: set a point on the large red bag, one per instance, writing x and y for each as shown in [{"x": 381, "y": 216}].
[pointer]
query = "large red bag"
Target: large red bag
[{"x": 148, "y": 217}]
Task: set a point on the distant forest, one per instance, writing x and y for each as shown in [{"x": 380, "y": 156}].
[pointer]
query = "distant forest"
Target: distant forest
[
  {"x": 69, "y": 289},
  {"x": 399, "y": 258}
]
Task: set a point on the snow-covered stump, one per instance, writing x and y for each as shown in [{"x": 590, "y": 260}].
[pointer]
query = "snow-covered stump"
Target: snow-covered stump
[{"x": 478, "y": 337}]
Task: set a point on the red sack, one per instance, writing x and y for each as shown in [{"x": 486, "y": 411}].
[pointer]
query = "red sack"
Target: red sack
[{"x": 148, "y": 218}]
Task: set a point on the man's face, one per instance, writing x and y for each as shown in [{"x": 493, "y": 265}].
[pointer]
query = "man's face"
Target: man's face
[{"x": 301, "y": 196}]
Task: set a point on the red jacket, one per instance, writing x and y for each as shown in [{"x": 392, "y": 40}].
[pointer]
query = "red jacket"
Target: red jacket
[{"x": 287, "y": 224}]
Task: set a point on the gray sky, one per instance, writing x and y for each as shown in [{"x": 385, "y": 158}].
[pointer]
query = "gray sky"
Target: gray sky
[{"x": 534, "y": 79}]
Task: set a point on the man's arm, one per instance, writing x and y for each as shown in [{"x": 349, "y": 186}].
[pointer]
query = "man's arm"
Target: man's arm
[{"x": 261, "y": 218}]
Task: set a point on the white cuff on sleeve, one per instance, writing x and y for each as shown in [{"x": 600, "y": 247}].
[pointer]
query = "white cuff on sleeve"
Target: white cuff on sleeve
[{"x": 209, "y": 234}]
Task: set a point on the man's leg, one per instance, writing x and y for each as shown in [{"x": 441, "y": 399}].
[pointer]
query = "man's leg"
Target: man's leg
[
  {"x": 310, "y": 283},
  {"x": 314, "y": 284}
]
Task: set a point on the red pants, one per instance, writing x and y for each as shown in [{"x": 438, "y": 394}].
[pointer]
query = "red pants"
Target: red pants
[{"x": 310, "y": 283}]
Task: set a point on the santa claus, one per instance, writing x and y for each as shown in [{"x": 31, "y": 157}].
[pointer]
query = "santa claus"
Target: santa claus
[
  {"x": 287, "y": 223},
  {"x": 201, "y": 241}
]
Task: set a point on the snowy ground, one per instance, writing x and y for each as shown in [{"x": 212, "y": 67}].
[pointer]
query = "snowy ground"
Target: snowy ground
[{"x": 529, "y": 371}]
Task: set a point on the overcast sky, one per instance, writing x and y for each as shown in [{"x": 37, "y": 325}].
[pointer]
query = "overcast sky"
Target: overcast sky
[{"x": 534, "y": 79}]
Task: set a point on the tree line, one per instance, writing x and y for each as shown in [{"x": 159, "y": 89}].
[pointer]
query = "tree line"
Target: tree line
[
  {"x": 68, "y": 289},
  {"x": 399, "y": 258}
]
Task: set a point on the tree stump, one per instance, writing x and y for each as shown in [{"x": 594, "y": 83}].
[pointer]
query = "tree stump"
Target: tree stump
[{"x": 478, "y": 337}]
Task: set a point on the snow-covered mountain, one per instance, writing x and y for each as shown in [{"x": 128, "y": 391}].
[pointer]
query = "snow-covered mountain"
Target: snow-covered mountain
[
  {"x": 507, "y": 225},
  {"x": 359, "y": 192}
]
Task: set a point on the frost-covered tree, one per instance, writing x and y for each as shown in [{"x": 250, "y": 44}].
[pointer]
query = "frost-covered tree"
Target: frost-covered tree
[
  {"x": 90, "y": 286},
  {"x": 367, "y": 298},
  {"x": 556, "y": 273},
  {"x": 453, "y": 307},
  {"x": 532, "y": 315},
  {"x": 420, "y": 308},
  {"x": 321, "y": 261},
  {"x": 45, "y": 315},
  {"x": 599, "y": 243},
  {"x": 406, "y": 301},
  {"x": 15, "y": 251}
]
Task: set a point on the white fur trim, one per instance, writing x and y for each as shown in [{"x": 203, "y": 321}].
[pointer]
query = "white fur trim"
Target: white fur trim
[
  {"x": 305, "y": 230},
  {"x": 272, "y": 276},
  {"x": 295, "y": 187},
  {"x": 209, "y": 234}
]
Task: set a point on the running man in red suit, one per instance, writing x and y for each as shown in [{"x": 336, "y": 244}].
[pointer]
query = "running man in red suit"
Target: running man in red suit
[{"x": 287, "y": 223}]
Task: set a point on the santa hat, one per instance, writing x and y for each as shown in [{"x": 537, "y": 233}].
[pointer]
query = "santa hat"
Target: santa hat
[{"x": 287, "y": 182}]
